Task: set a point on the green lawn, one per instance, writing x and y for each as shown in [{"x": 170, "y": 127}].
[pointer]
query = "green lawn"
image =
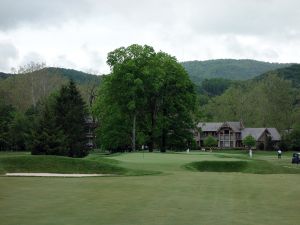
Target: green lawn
[{"x": 176, "y": 196}]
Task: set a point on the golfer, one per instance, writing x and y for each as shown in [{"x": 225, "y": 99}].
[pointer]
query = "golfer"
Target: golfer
[
  {"x": 279, "y": 153},
  {"x": 250, "y": 152}
]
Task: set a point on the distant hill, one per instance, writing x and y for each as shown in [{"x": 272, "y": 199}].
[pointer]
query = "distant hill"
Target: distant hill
[
  {"x": 291, "y": 73},
  {"x": 4, "y": 75},
  {"x": 77, "y": 76},
  {"x": 232, "y": 69},
  {"x": 24, "y": 90}
]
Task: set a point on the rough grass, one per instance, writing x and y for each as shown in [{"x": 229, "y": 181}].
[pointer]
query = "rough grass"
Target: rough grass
[{"x": 59, "y": 164}]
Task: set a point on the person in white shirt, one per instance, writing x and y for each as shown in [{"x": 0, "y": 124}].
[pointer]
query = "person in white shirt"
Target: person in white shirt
[{"x": 279, "y": 153}]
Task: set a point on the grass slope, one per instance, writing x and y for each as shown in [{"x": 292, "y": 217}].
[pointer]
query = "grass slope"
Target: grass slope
[
  {"x": 59, "y": 164},
  {"x": 56, "y": 164}
]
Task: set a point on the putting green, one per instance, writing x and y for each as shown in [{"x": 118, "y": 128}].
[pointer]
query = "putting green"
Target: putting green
[{"x": 177, "y": 196}]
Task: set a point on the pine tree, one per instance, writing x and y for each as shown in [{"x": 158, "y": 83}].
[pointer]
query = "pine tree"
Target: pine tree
[
  {"x": 6, "y": 117},
  {"x": 48, "y": 138},
  {"x": 70, "y": 116}
]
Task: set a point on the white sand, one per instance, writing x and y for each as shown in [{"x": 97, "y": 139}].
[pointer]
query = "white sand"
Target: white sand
[{"x": 56, "y": 175}]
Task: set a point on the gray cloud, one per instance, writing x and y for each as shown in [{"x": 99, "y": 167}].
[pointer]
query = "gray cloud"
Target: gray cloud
[
  {"x": 57, "y": 30},
  {"x": 264, "y": 17},
  {"x": 261, "y": 17},
  {"x": 8, "y": 53},
  {"x": 32, "y": 57},
  {"x": 40, "y": 12}
]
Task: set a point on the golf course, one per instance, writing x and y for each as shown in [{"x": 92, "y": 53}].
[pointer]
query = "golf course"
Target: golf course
[{"x": 224, "y": 188}]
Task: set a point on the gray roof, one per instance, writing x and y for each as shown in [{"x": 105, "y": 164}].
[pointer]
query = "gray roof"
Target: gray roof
[
  {"x": 236, "y": 126},
  {"x": 257, "y": 132},
  {"x": 274, "y": 134},
  {"x": 209, "y": 126},
  {"x": 254, "y": 132}
]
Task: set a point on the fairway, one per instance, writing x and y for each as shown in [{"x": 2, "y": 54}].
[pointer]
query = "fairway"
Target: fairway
[{"x": 177, "y": 196}]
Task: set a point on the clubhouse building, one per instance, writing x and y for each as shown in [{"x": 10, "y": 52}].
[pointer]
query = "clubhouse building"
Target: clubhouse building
[{"x": 231, "y": 134}]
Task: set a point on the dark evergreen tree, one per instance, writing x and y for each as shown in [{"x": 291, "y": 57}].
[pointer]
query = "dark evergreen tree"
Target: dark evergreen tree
[
  {"x": 19, "y": 129},
  {"x": 70, "y": 117},
  {"x": 48, "y": 138},
  {"x": 6, "y": 117}
]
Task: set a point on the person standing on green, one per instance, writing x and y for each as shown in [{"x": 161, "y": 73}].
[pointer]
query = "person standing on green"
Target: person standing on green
[{"x": 279, "y": 153}]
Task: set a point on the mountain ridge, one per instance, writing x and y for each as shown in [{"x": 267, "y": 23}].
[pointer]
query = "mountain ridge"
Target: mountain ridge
[
  {"x": 232, "y": 69},
  {"x": 76, "y": 75}
]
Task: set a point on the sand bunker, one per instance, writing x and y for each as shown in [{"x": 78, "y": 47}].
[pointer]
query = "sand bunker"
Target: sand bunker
[{"x": 56, "y": 175}]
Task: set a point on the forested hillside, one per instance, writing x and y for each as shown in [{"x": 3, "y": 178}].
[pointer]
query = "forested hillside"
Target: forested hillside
[
  {"x": 269, "y": 100},
  {"x": 291, "y": 73},
  {"x": 28, "y": 87},
  {"x": 272, "y": 101},
  {"x": 231, "y": 69}
]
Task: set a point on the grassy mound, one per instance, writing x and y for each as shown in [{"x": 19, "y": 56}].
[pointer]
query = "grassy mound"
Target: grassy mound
[
  {"x": 253, "y": 166},
  {"x": 57, "y": 164}
]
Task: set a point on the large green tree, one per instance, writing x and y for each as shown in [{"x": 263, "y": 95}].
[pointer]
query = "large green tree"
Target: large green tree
[
  {"x": 150, "y": 94},
  {"x": 175, "y": 105}
]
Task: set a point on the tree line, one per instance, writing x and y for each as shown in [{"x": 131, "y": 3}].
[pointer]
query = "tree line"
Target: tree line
[
  {"x": 147, "y": 101},
  {"x": 54, "y": 126}
]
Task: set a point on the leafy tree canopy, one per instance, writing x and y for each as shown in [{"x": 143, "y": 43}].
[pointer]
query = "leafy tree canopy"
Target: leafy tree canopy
[
  {"x": 249, "y": 141},
  {"x": 151, "y": 94},
  {"x": 210, "y": 141}
]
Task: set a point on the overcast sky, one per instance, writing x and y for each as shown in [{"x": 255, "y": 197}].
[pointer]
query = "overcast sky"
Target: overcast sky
[{"x": 78, "y": 34}]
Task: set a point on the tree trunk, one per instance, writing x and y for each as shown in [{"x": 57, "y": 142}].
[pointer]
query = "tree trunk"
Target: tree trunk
[
  {"x": 163, "y": 141},
  {"x": 133, "y": 132},
  {"x": 164, "y": 134},
  {"x": 32, "y": 92},
  {"x": 151, "y": 144}
]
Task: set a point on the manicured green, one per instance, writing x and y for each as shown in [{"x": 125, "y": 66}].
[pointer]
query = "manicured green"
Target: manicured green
[{"x": 178, "y": 196}]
